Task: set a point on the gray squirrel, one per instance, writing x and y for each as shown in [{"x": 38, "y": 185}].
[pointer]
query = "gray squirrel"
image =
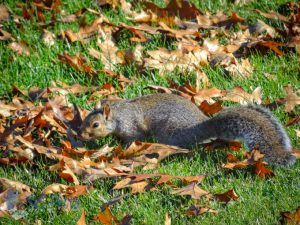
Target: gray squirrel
[{"x": 174, "y": 120}]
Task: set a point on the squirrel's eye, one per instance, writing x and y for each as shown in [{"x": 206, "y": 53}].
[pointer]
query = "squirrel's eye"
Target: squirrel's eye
[{"x": 95, "y": 125}]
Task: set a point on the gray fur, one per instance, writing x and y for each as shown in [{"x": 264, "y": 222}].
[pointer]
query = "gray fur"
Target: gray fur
[{"x": 174, "y": 120}]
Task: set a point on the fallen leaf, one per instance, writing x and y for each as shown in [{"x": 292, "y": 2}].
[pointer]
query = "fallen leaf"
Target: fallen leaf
[
  {"x": 291, "y": 100},
  {"x": 20, "y": 48},
  {"x": 208, "y": 109},
  {"x": 182, "y": 9},
  {"x": 67, "y": 174},
  {"x": 238, "y": 94},
  {"x": 272, "y": 15},
  {"x": 197, "y": 210},
  {"x": 73, "y": 17},
  {"x": 106, "y": 217},
  {"x": 9, "y": 184},
  {"x": 77, "y": 62},
  {"x": 48, "y": 38},
  {"x": 291, "y": 218},
  {"x": 167, "y": 219},
  {"x": 192, "y": 190},
  {"x": 226, "y": 196},
  {"x": 82, "y": 220},
  {"x": 262, "y": 171},
  {"x": 148, "y": 154},
  {"x": 260, "y": 28},
  {"x": 55, "y": 188},
  {"x": 4, "y": 13}
]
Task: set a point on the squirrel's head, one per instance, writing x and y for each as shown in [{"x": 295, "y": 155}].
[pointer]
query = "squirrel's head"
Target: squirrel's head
[{"x": 97, "y": 123}]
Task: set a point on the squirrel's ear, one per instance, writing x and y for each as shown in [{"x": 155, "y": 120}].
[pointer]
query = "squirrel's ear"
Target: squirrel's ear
[{"x": 107, "y": 111}]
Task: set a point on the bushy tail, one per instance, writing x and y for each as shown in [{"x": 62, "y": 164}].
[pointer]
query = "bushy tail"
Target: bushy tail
[{"x": 256, "y": 127}]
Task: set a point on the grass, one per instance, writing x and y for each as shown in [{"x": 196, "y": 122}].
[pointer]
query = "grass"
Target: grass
[{"x": 261, "y": 201}]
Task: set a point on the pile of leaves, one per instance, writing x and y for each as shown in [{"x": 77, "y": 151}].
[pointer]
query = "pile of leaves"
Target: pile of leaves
[{"x": 40, "y": 123}]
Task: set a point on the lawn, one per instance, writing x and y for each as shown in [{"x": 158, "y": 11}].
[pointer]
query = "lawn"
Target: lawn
[{"x": 260, "y": 200}]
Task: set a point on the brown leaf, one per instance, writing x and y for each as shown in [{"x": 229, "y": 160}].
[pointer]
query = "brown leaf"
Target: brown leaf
[
  {"x": 182, "y": 9},
  {"x": 188, "y": 179},
  {"x": 77, "y": 190},
  {"x": 197, "y": 210},
  {"x": 4, "y": 13},
  {"x": 55, "y": 188},
  {"x": 291, "y": 218},
  {"x": 67, "y": 174},
  {"x": 296, "y": 153},
  {"x": 192, "y": 190},
  {"x": 73, "y": 17},
  {"x": 264, "y": 46},
  {"x": 208, "y": 109},
  {"x": 166, "y": 60},
  {"x": 231, "y": 158},
  {"x": 4, "y": 35},
  {"x": 238, "y": 94},
  {"x": 262, "y": 171},
  {"x": 9, "y": 184},
  {"x": 77, "y": 62},
  {"x": 261, "y": 28},
  {"x": 142, "y": 153},
  {"x": 227, "y": 196},
  {"x": 273, "y": 15},
  {"x": 86, "y": 31},
  {"x": 48, "y": 38},
  {"x": 106, "y": 217},
  {"x": 167, "y": 219},
  {"x": 20, "y": 48},
  {"x": 82, "y": 220},
  {"x": 292, "y": 99},
  {"x": 292, "y": 121}
]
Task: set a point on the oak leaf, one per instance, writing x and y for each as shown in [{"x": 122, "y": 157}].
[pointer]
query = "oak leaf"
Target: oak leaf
[{"x": 192, "y": 190}]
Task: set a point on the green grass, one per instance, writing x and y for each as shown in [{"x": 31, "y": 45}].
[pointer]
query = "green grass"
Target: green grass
[{"x": 261, "y": 201}]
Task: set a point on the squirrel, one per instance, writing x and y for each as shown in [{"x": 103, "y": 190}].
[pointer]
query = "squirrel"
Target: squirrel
[{"x": 174, "y": 120}]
